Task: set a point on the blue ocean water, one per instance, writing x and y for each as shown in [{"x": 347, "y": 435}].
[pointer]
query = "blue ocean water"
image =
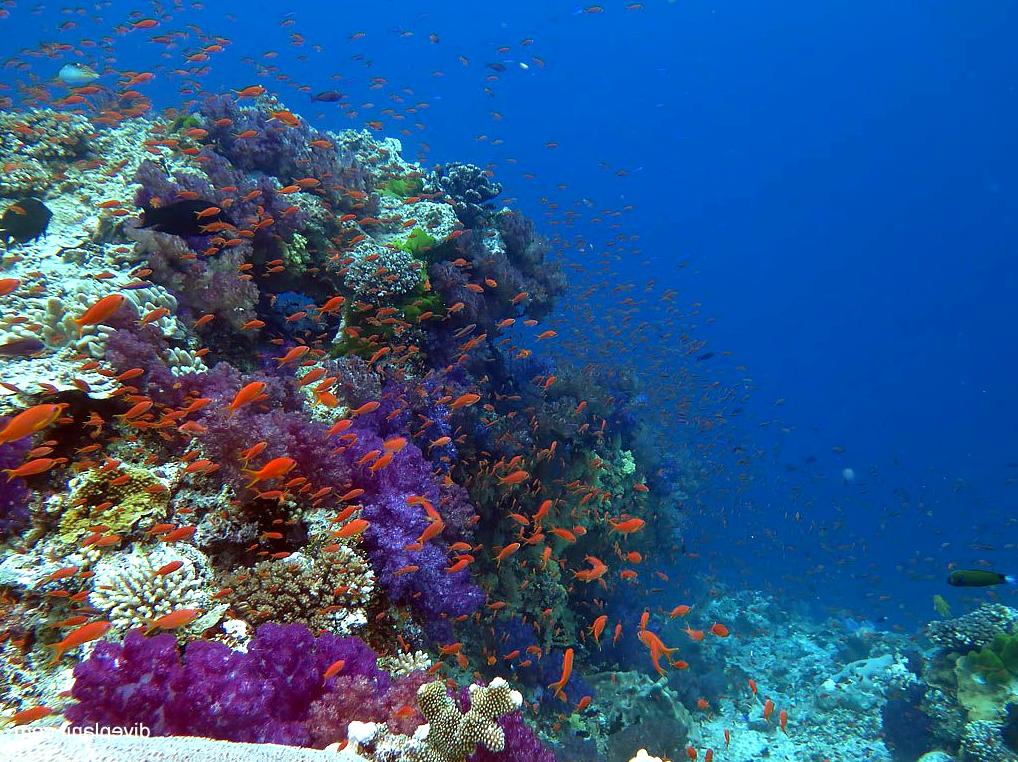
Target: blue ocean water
[{"x": 795, "y": 222}]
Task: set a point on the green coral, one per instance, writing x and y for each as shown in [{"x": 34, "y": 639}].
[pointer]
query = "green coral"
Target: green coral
[
  {"x": 107, "y": 498},
  {"x": 373, "y": 336},
  {"x": 988, "y": 678},
  {"x": 418, "y": 242},
  {"x": 401, "y": 187},
  {"x": 183, "y": 122},
  {"x": 295, "y": 254}
]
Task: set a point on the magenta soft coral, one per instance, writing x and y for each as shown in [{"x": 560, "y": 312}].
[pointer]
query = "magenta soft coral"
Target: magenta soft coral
[{"x": 263, "y": 695}]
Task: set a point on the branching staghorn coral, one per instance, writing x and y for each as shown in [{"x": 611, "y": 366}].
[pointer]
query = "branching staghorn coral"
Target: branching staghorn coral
[{"x": 404, "y": 662}]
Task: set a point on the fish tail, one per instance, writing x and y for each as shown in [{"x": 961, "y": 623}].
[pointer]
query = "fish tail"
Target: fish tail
[
  {"x": 1010, "y": 579},
  {"x": 58, "y": 653}
]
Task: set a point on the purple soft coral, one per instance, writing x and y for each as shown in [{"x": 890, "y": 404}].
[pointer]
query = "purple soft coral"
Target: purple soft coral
[
  {"x": 521, "y": 745},
  {"x": 260, "y": 696},
  {"x": 13, "y": 492},
  {"x": 395, "y": 525}
]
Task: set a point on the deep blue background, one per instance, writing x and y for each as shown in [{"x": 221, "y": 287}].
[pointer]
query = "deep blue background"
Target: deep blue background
[{"x": 840, "y": 176}]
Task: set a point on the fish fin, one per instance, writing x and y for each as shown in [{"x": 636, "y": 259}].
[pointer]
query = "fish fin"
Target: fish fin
[{"x": 58, "y": 654}]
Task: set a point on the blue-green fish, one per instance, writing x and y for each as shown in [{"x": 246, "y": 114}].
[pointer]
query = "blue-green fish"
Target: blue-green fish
[{"x": 76, "y": 75}]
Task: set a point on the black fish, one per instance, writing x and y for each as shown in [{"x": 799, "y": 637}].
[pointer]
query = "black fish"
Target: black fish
[
  {"x": 327, "y": 96},
  {"x": 24, "y": 221},
  {"x": 705, "y": 356},
  {"x": 181, "y": 218}
]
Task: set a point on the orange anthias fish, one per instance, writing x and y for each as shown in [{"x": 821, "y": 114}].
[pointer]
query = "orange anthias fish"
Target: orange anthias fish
[
  {"x": 174, "y": 620},
  {"x": 567, "y": 670},
  {"x": 627, "y": 527},
  {"x": 352, "y": 528},
  {"x": 464, "y": 400},
  {"x": 293, "y": 355},
  {"x": 656, "y": 648},
  {"x": 246, "y": 395},
  {"x": 598, "y": 627},
  {"x": 507, "y": 551},
  {"x": 516, "y": 477},
  {"x": 26, "y": 716},
  {"x": 84, "y": 634},
  {"x": 102, "y": 310},
  {"x": 272, "y": 470},
  {"x": 29, "y": 421},
  {"x": 30, "y": 468},
  {"x": 180, "y": 533},
  {"x": 595, "y": 572},
  {"x": 334, "y": 669}
]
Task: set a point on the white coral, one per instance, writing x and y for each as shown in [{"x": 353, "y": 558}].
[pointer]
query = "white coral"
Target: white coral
[
  {"x": 128, "y": 589},
  {"x": 183, "y": 361},
  {"x": 403, "y": 662}
]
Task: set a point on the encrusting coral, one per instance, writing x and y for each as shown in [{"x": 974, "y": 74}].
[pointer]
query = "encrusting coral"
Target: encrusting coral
[{"x": 119, "y": 498}]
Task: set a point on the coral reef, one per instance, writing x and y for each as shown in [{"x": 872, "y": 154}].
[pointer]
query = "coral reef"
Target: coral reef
[{"x": 293, "y": 428}]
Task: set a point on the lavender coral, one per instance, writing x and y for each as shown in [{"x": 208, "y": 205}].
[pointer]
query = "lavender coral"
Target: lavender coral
[
  {"x": 397, "y": 525},
  {"x": 285, "y": 146}
]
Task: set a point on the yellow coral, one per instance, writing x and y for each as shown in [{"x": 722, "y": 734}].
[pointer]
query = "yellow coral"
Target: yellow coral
[{"x": 107, "y": 498}]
